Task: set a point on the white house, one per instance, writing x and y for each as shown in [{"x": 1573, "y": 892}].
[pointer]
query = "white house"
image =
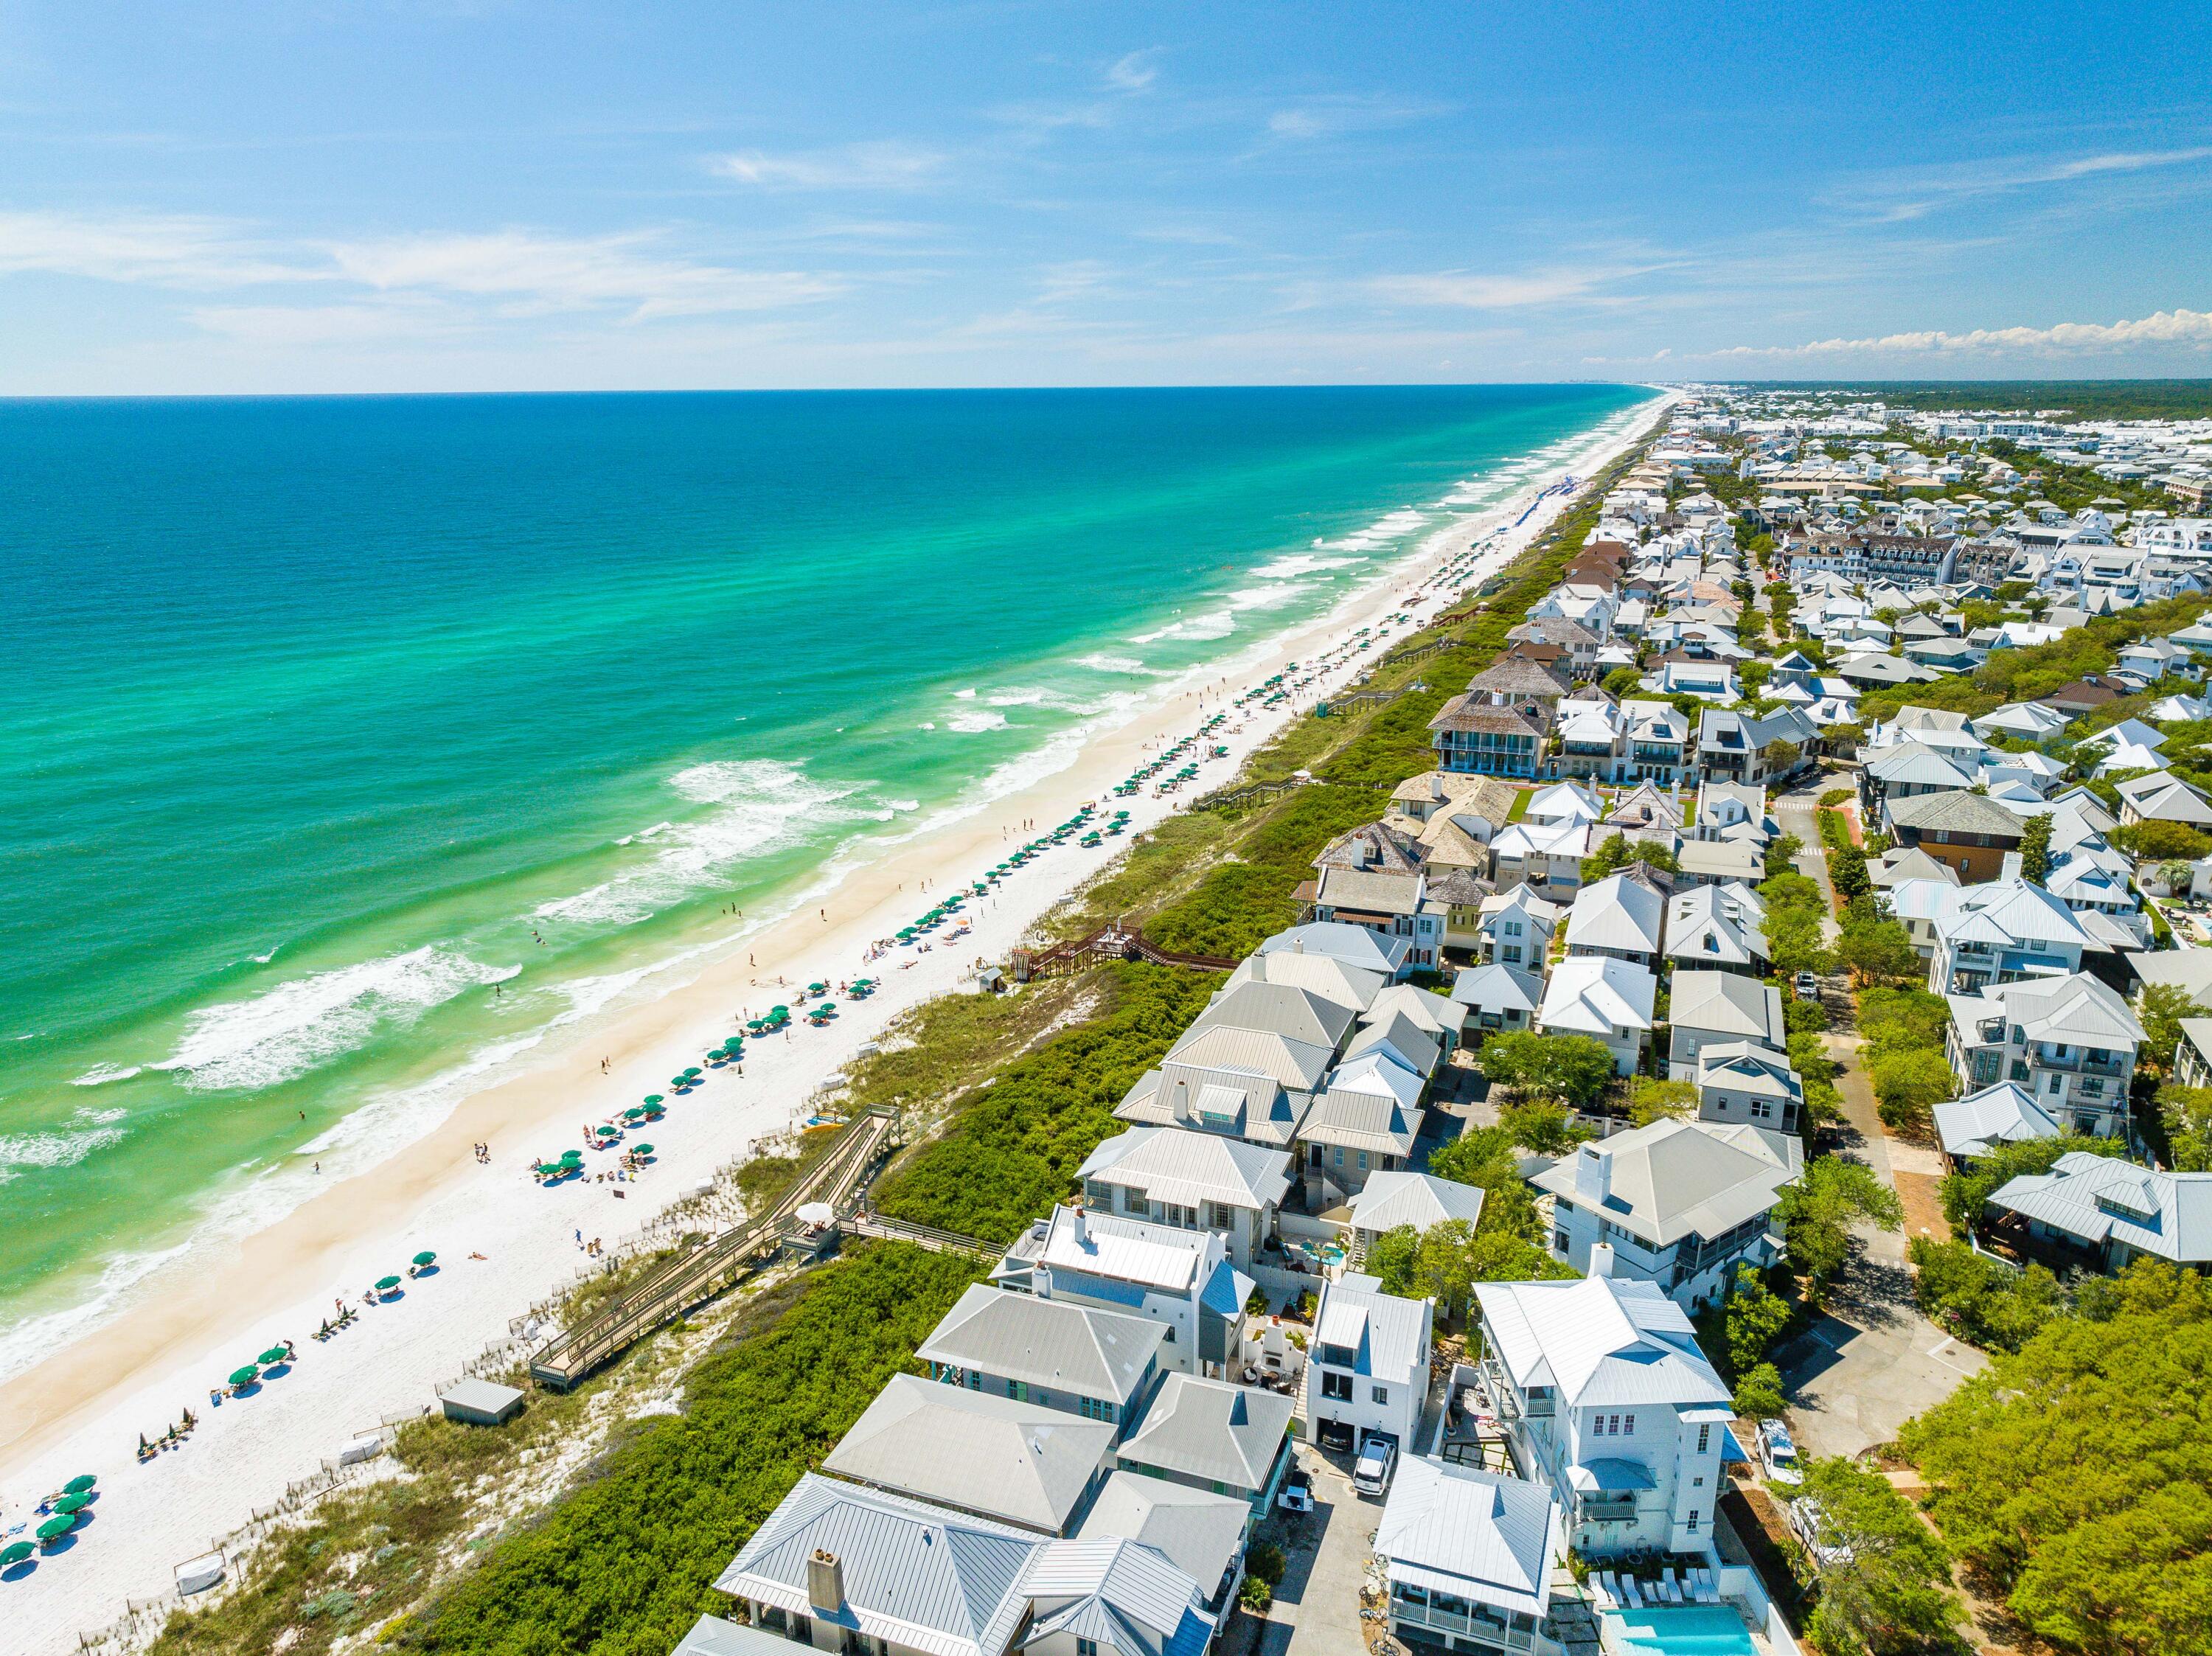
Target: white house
[
  {"x": 1469, "y": 1556},
  {"x": 1189, "y": 1181},
  {"x": 1709, "y": 1006},
  {"x": 1608, "y": 1000},
  {"x": 1679, "y": 1204},
  {"x": 1516, "y": 929},
  {"x": 1611, "y": 1407},
  {"x": 1747, "y": 1082},
  {"x": 1181, "y": 1279},
  {"x": 1367, "y": 1373},
  {"x": 1717, "y": 928},
  {"x": 1623, "y": 917},
  {"x": 2071, "y": 1041}
]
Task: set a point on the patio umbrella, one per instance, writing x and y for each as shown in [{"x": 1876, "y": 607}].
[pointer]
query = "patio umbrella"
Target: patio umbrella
[
  {"x": 816, "y": 988},
  {"x": 244, "y": 1376},
  {"x": 652, "y": 1099},
  {"x": 15, "y": 1552},
  {"x": 572, "y": 1156},
  {"x": 694, "y": 1070},
  {"x": 274, "y": 1354},
  {"x": 679, "y": 1082},
  {"x": 71, "y": 1503},
  {"x": 80, "y": 1484},
  {"x": 642, "y": 1150},
  {"x": 633, "y": 1112},
  {"x": 426, "y": 1257},
  {"x": 386, "y": 1283},
  {"x": 54, "y": 1528}
]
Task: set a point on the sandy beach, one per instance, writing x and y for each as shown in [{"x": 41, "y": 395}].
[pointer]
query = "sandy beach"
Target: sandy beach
[{"x": 504, "y": 1243}]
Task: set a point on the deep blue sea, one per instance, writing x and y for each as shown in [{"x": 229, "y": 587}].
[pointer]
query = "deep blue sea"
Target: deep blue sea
[{"x": 316, "y": 714}]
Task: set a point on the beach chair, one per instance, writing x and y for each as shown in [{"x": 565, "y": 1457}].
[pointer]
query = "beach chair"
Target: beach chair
[
  {"x": 1673, "y": 1589},
  {"x": 1607, "y": 1588},
  {"x": 1628, "y": 1591},
  {"x": 1712, "y": 1585}
]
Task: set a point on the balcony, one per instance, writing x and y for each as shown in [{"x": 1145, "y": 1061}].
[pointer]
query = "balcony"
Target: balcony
[{"x": 1597, "y": 1509}]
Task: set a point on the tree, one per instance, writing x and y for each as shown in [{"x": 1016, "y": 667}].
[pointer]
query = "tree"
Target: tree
[
  {"x": 2186, "y": 1114},
  {"x": 1446, "y": 1260},
  {"x": 1782, "y": 857},
  {"x": 1754, "y": 1317},
  {"x": 2035, "y": 848},
  {"x": 1545, "y": 1129},
  {"x": 1618, "y": 850},
  {"x": 2157, "y": 842},
  {"x": 1886, "y": 1580},
  {"x": 1980, "y": 1299},
  {"x": 1573, "y": 1068},
  {"x": 2160, "y": 1009},
  {"x": 1819, "y": 1210},
  {"x": 1758, "y": 1394},
  {"x": 1484, "y": 1157},
  {"x": 1847, "y": 872},
  {"x": 1879, "y": 950},
  {"x": 1780, "y": 755},
  {"x": 1622, "y": 683},
  {"x": 1652, "y": 1100},
  {"x": 1909, "y": 1086}
]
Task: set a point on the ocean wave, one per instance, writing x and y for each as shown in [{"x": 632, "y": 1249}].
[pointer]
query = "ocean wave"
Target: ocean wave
[
  {"x": 37, "y": 1338},
  {"x": 298, "y": 1026},
  {"x": 1197, "y": 629},
  {"x": 974, "y": 724},
  {"x": 904, "y": 804},
  {"x": 101, "y": 1074},
  {"x": 1263, "y": 597},
  {"x": 1100, "y": 661},
  {"x": 1293, "y": 564},
  {"x": 964, "y": 695},
  {"x": 63, "y": 1149},
  {"x": 762, "y": 805}
]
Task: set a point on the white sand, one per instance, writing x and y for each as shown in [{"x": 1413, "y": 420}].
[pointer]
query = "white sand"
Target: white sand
[{"x": 81, "y": 1411}]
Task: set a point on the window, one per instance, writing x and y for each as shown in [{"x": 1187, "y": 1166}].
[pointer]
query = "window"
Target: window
[
  {"x": 1382, "y": 1394},
  {"x": 1695, "y": 1516},
  {"x": 1363, "y": 1161},
  {"x": 1559, "y": 1241},
  {"x": 1086, "y": 1647},
  {"x": 1133, "y": 1199},
  {"x": 1169, "y": 1329},
  {"x": 1336, "y": 1387},
  {"x": 1628, "y": 1425},
  {"x": 1760, "y": 1109},
  {"x": 1705, "y": 1437},
  {"x": 1339, "y": 1155}
]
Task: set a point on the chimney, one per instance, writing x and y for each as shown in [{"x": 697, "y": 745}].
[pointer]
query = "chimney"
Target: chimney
[
  {"x": 1593, "y": 1174},
  {"x": 1078, "y": 1227},
  {"x": 1601, "y": 1259},
  {"x": 825, "y": 1582}
]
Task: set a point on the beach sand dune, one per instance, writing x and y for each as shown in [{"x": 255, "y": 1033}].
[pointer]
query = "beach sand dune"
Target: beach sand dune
[{"x": 82, "y": 1409}]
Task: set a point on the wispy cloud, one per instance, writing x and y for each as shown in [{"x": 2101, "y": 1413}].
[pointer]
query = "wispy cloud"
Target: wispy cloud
[
  {"x": 144, "y": 249},
  {"x": 1132, "y": 73},
  {"x": 2186, "y": 327},
  {"x": 886, "y": 164},
  {"x": 1915, "y": 193},
  {"x": 1466, "y": 290},
  {"x": 1341, "y": 112}
]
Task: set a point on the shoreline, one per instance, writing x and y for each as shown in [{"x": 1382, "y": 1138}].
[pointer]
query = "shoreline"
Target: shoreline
[{"x": 194, "y": 1324}]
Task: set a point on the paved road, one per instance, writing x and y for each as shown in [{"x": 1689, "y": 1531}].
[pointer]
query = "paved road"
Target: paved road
[{"x": 1317, "y": 1609}]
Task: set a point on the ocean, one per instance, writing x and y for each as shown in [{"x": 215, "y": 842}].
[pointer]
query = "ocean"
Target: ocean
[{"x": 351, "y": 747}]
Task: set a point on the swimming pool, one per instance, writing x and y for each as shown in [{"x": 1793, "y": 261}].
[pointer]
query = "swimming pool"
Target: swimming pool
[{"x": 1681, "y": 1630}]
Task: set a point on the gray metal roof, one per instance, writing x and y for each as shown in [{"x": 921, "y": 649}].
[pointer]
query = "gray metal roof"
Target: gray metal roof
[
  {"x": 1617, "y": 912},
  {"x": 1361, "y": 1111},
  {"x": 1128, "y": 1250},
  {"x": 1122, "y": 1595},
  {"x": 1472, "y": 1532},
  {"x": 1355, "y": 945},
  {"x": 710, "y": 1635},
  {"x": 1201, "y": 1532},
  {"x": 2100, "y": 1198},
  {"x": 2006, "y": 1113},
  {"x": 1675, "y": 1179},
  {"x": 1498, "y": 988},
  {"x": 1719, "y": 859},
  {"x": 1290, "y": 1062},
  {"x": 1020, "y": 1462},
  {"x": 1053, "y": 1344},
  {"x": 1211, "y": 1430},
  {"x": 1419, "y": 1199},
  {"x": 1173, "y": 1164},
  {"x": 1400, "y": 1036},
  {"x": 1277, "y": 1009},
  {"x": 1728, "y": 1004},
  {"x": 1599, "y": 1341},
  {"x": 915, "y": 1573},
  {"x": 1331, "y": 979},
  {"x": 1390, "y": 1335}
]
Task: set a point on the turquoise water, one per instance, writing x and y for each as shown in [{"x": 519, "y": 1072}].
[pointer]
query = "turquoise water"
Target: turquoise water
[
  {"x": 1683, "y": 1630},
  {"x": 350, "y": 746}
]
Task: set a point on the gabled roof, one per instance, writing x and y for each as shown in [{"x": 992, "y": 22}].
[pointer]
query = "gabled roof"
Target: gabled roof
[
  {"x": 1375, "y": 846},
  {"x": 1564, "y": 802},
  {"x": 1716, "y": 924},
  {"x": 1118, "y": 1594},
  {"x": 1367, "y": 893},
  {"x": 1354, "y": 945},
  {"x": 1729, "y": 1002},
  {"x": 1675, "y": 1179},
  {"x": 1278, "y": 1009},
  {"x": 1129, "y": 1249},
  {"x": 1020, "y": 1462},
  {"x": 1435, "y": 1014},
  {"x": 1211, "y": 1430},
  {"x": 1617, "y": 912},
  {"x": 1388, "y": 1335},
  {"x": 1498, "y": 988},
  {"x": 2162, "y": 798},
  {"x": 1368, "y": 1106},
  {"x": 1747, "y": 1066},
  {"x": 1291, "y": 1063},
  {"x": 2075, "y": 1010},
  {"x": 1055, "y": 1345},
  {"x": 1190, "y": 1169},
  {"x": 1456, "y": 1530},
  {"x": 1319, "y": 975},
  {"x": 915, "y": 1573},
  {"x": 1201, "y": 1532},
  {"x": 1956, "y": 812},
  {"x": 1419, "y": 1199},
  {"x": 2100, "y": 1198},
  {"x": 1596, "y": 994},
  {"x": 1977, "y": 1123},
  {"x": 1911, "y": 764},
  {"x": 1601, "y": 1340},
  {"x": 2007, "y": 913},
  {"x": 1403, "y": 1039}
]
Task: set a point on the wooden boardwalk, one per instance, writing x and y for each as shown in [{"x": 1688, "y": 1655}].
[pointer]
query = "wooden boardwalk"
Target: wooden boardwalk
[
  {"x": 690, "y": 1276},
  {"x": 1110, "y": 942},
  {"x": 876, "y": 1227}
]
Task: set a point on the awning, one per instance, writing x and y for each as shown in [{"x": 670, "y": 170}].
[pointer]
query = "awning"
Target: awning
[{"x": 1609, "y": 1476}]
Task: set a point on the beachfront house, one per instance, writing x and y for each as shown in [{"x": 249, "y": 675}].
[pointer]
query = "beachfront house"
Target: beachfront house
[
  {"x": 1367, "y": 1372},
  {"x": 1190, "y": 1180},
  {"x": 1677, "y": 1203},
  {"x": 1469, "y": 1556},
  {"x": 1085, "y": 1361},
  {"x": 1611, "y": 1406},
  {"x": 1181, "y": 1279}
]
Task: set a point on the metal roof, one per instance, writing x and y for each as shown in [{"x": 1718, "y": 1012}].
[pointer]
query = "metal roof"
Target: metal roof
[
  {"x": 2100, "y": 1198},
  {"x": 1122, "y": 1595},
  {"x": 1129, "y": 1250},
  {"x": 1277, "y": 1009},
  {"x": 1595, "y": 994},
  {"x": 2006, "y": 1113},
  {"x": 1472, "y": 1532},
  {"x": 1617, "y": 912},
  {"x": 1021, "y": 1463},
  {"x": 1201, "y": 1532},
  {"x": 1670, "y": 1179},
  {"x": 1399, "y": 1035},
  {"x": 1053, "y": 1343},
  {"x": 1730, "y": 1004},
  {"x": 1173, "y": 1164},
  {"x": 1320, "y": 975},
  {"x": 1498, "y": 988},
  {"x": 1599, "y": 1341},
  {"x": 915, "y": 1573},
  {"x": 1389, "y": 1334},
  {"x": 1294, "y": 1063},
  {"x": 711, "y": 1635},
  {"x": 1355, "y": 945},
  {"x": 1211, "y": 1430}
]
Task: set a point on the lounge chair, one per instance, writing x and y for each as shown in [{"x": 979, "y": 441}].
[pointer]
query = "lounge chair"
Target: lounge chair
[
  {"x": 1609, "y": 1589},
  {"x": 1629, "y": 1591},
  {"x": 1672, "y": 1588},
  {"x": 1711, "y": 1585}
]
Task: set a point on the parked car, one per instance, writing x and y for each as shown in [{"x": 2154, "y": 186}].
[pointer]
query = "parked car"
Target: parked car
[
  {"x": 1808, "y": 1519},
  {"x": 1807, "y": 986},
  {"x": 1778, "y": 1453},
  {"x": 1378, "y": 1458},
  {"x": 1296, "y": 1492}
]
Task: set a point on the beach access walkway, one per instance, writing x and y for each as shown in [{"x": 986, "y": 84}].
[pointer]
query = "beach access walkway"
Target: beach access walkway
[{"x": 695, "y": 1274}]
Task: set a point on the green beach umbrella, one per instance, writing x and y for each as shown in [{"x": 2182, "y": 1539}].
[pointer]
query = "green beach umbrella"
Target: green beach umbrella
[
  {"x": 426, "y": 1257},
  {"x": 679, "y": 1082},
  {"x": 383, "y": 1282},
  {"x": 244, "y": 1376},
  {"x": 633, "y": 1112},
  {"x": 71, "y": 1503},
  {"x": 54, "y": 1528},
  {"x": 781, "y": 1011},
  {"x": 80, "y": 1484},
  {"x": 274, "y": 1354},
  {"x": 572, "y": 1155},
  {"x": 643, "y": 1150},
  {"x": 15, "y": 1552},
  {"x": 652, "y": 1099},
  {"x": 816, "y": 988}
]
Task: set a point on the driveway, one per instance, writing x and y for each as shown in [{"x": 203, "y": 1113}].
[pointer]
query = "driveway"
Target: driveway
[
  {"x": 1869, "y": 1363},
  {"x": 1325, "y": 1555}
]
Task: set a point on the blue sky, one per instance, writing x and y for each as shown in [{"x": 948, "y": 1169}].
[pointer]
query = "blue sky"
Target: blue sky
[{"x": 412, "y": 195}]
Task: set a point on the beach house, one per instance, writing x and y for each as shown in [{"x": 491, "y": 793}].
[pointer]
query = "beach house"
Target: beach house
[
  {"x": 1367, "y": 1373},
  {"x": 1468, "y": 1555},
  {"x": 1211, "y": 1435},
  {"x": 1705, "y": 1007},
  {"x": 2070, "y": 1041},
  {"x": 1181, "y": 1279},
  {"x": 2106, "y": 1212},
  {"x": 1622, "y": 917},
  {"x": 1094, "y": 1363},
  {"x": 1717, "y": 928},
  {"x": 1190, "y": 1180},
  {"x": 1608, "y": 1000}
]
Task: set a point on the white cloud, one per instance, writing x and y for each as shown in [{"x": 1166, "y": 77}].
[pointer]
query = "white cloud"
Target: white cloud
[
  {"x": 550, "y": 273},
  {"x": 2191, "y": 328},
  {"x": 1493, "y": 293},
  {"x": 1326, "y": 117},
  {"x": 146, "y": 249},
  {"x": 1133, "y": 73},
  {"x": 885, "y": 165},
  {"x": 1915, "y": 193}
]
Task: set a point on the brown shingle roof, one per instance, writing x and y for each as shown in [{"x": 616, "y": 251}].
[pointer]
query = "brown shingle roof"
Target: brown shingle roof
[
  {"x": 1464, "y": 712},
  {"x": 1518, "y": 678}
]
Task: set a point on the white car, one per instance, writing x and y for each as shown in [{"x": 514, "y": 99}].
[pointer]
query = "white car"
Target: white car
[
  {"x": 1378, "y": 1457},
  {"x": 1778, "y": 1453}
]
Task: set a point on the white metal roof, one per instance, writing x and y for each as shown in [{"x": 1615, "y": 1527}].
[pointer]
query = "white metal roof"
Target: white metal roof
[
  {"x": 1601, "y": 1340},
  {"x": 1472, "y": 1532},
  {"x": 1056, "y": 1344}
]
